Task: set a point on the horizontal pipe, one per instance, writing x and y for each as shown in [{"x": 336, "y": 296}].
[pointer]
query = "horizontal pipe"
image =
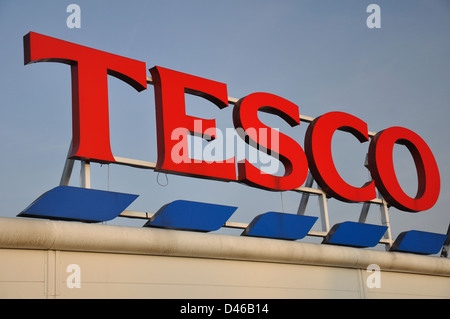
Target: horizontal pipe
[{"x": 21, "y": 233}]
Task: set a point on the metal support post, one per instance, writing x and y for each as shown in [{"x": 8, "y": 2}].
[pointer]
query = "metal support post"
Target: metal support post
[
  {"x": 85, "y": 174},
  {"x": 446, "y": 247},
  {"x": 305, "y": 196},
  {"x": 364, "y": 212},
  {"x": 324, "y": 213},
  {"x": 68, "y": 167},
  {"x": 384, "y": 211}
]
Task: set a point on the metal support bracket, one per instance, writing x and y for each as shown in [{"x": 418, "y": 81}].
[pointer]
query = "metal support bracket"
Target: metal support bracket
[
  {"x": 446, "y": 247},
  {"x": 85, "y": 171},
  {"x": 68, "y": 167}
]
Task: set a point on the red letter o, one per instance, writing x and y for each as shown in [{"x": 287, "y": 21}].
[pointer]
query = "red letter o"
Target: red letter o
[{"x": 381, "y": 166}]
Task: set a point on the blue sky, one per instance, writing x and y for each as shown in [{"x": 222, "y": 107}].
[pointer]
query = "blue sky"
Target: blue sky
[{"x": 318, "y": 54}]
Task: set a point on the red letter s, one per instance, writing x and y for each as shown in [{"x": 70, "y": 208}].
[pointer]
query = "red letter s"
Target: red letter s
[{"x": 245, "y": 117}]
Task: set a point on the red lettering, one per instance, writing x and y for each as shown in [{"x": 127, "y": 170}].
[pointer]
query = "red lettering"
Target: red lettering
[
  {"x": 289, "y": 152},
  {"x": 382, "y": 169},
  {"x": 91, "y": 140},
  {"x": 318, "y": 151},
  {"x": 170, "y": 88},
  {"x": 89, "y": 68}
]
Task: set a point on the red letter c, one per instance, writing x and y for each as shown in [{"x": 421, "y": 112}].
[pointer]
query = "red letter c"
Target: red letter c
[{"x": 318, "y": 150}]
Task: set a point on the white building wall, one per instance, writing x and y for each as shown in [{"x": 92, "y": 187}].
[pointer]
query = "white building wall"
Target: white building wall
[{"x": 39, "y": 268}]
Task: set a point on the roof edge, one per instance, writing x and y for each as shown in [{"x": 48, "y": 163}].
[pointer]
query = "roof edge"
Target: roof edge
[{"x": 20, "y": 233}]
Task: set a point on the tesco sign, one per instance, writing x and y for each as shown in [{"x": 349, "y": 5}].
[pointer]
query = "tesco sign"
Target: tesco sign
[{"x": 91, "y": 138}]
